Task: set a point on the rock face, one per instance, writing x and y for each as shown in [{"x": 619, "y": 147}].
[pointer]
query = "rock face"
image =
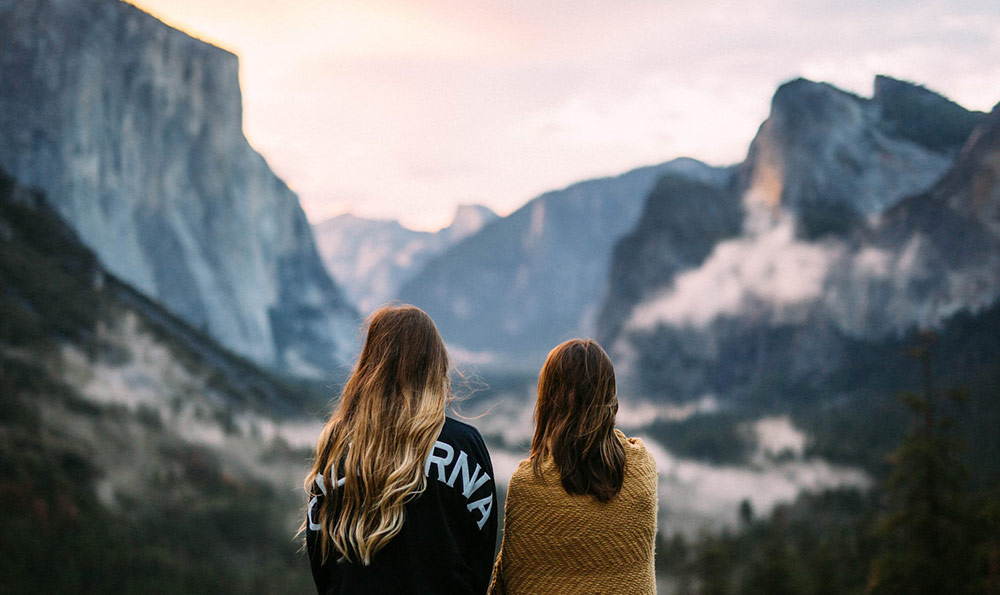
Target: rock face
[
  {"x": 827, "y": 155},
  {"x": 684, "y": 218},
  {"x": 923, "y": 116},
  {"x": 933, "y": 254},
  {"x": 134, "y": 132},
  {"x": 371, "y": 258},
  {"x": 859, "y": 222},
  {"x": 512, "y": 291}
]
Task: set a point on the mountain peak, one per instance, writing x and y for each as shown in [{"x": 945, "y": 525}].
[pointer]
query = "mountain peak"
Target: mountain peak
[
  {"x": 823, "y": 148},
  {"x": 473, "y": 210},
  {"x": 351, "y": 221},
  {"x": 887, "y": 89},
  {"x": 804, "y": 102},
  {"x": 468, "y": 219},
  {"x": 923, "y": 116}
]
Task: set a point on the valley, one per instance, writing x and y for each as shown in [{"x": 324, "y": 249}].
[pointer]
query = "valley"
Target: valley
[{"x": 787, "y": 331}]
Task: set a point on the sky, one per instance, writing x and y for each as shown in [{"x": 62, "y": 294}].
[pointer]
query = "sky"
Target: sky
[{"x": 405, "y": 109}]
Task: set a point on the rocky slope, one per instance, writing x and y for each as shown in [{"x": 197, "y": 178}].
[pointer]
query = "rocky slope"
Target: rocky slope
[
  {"x": 371, "y": 258},
  {"x": 509, "y": 293},
  {"x": 134, "y": 132},
  {"x": 845, "y": 238}
]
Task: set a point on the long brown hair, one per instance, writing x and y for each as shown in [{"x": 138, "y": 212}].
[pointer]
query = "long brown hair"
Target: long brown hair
[
  {"x": 370, "y": 455},
  {"x": 575, "y": 420}
]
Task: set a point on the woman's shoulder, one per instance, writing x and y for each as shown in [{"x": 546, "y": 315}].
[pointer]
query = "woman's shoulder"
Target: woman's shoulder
[
  {"x": 460, "y": 428},
  {"x": 523, "y": 471},
  {"x": 636, "y": 451},
  {"x": 461, "y": 433},
  {"x": 525, "y": 477}
]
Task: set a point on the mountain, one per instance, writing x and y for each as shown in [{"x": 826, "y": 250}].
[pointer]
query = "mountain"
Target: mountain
[
  {"x": 134, "y": 132},
  {"x": 137, "y": 454},
  {"x": 512, "y": 291},
  {"x": 682, "y": 221},
  {"x": 923, "y": 116},
  {"x": 932, "y": 255},
  {"x": 468, "y": 220},
  {"x": 829, "y": 156},
  {"x": 372, "y": 257},
  {"x": 858, "y": 224}
]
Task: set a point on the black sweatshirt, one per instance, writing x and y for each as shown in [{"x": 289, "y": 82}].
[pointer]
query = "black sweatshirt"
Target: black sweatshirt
[{"x": 448, "y": 537}]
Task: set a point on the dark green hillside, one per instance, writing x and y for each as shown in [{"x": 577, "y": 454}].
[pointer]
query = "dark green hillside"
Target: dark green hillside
[
  {"x": 106, "y": 496},
  {"x": 860, "y": 422},
  {"x": 48, "y": 276},
  {"x": 931, "y": 524}
]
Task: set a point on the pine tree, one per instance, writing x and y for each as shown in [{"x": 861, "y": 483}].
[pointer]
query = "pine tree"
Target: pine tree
[
  {"x": 714, "y": 565},
  {"x": 779, "y": 570},
  {"x": 924, "y": 549},
  {"x": 988, "y": 539}
]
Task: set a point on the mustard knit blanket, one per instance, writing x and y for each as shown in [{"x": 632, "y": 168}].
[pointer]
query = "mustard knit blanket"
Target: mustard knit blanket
[{"x": 554, "y": 542}]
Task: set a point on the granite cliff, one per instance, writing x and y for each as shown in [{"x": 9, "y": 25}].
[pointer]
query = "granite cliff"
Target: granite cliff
[
  {"x": 134, "y": 132},
  {"x": 827, "y": 154}
]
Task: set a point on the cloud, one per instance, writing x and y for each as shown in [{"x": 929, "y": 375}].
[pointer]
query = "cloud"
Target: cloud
[
  {"x": 694, "y": 494},
  {"x": 772, "y": 269},
  {"x": 698, "y": 117}
]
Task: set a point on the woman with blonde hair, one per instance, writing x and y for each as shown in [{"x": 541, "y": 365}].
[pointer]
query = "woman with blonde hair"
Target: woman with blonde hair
[
  {"x": 401, "y": 498},
  {"x": 581, "y": 510}
]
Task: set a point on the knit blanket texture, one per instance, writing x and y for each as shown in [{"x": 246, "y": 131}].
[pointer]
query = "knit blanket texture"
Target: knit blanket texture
[{"x": 555, "y": 542}]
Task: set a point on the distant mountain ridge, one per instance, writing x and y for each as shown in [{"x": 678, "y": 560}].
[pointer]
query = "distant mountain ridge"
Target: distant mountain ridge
[
  {"x": 507, "y": 294},
  {"x": 859, "y": 222},
  {"x": 134, "y": 132},
  {"x": 372, "y": 257},
  {"x": 850, "y": 219},
  {"x": 825, "y": 164}
]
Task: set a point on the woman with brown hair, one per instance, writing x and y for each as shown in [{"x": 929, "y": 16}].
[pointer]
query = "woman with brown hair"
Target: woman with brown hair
[
  {"x": 401, "y": 498},
  {"x": 581, "y": 510}
]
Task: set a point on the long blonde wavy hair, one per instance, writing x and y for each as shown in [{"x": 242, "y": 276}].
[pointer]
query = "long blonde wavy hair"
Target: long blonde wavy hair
[{"x": 370, "y": 455}]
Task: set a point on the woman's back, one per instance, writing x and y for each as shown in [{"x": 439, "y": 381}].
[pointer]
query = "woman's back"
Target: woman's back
[
  {"x": 581, "y": 510},
  {"x": 400, "y": 498},
  {"x": 447, "y": 542},
  {"x": 556, "y": 542}
]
